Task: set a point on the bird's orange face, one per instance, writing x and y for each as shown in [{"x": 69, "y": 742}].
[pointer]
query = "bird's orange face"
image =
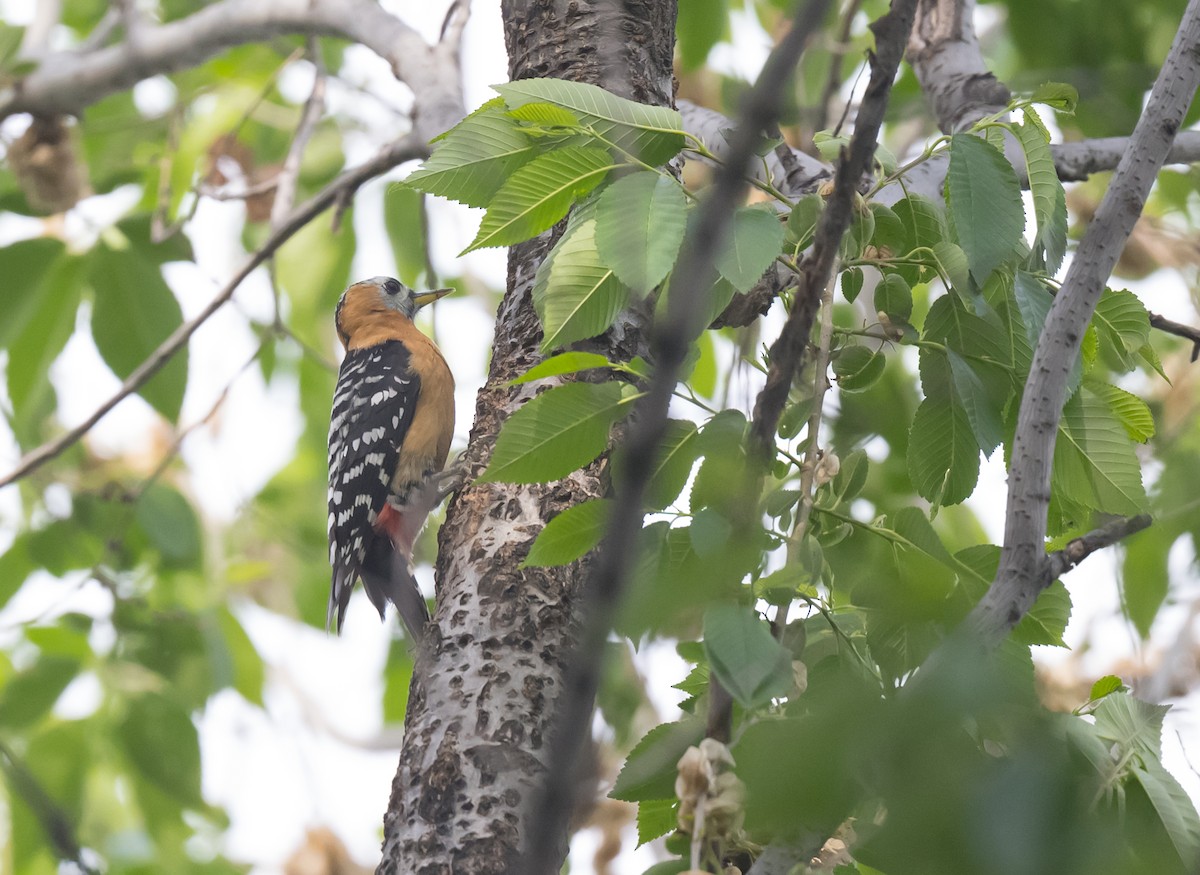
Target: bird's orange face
[{"x": 364, "y": 302}]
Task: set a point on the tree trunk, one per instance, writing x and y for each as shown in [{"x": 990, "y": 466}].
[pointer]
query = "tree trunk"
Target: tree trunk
[{"x": 491, "y": 669}]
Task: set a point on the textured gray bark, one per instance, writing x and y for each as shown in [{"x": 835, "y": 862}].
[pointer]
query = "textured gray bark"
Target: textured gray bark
[{"x": 486, "y": 682}]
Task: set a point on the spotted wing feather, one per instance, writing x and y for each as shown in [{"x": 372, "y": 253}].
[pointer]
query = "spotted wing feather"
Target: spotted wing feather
[{"x": 373, "y": 406}]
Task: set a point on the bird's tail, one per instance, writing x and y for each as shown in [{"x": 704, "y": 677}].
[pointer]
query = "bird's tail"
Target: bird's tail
[{"x": 392, "y": 580}]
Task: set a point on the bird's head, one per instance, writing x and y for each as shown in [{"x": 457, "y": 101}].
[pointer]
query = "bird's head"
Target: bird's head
[{"x": 365, "y": 301}]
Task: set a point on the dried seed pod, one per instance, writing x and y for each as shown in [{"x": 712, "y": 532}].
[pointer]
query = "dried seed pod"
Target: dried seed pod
[{"x": 46, "y": 164}]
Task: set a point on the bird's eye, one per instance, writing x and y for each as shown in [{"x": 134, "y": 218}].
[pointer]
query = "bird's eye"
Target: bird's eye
[{"x": 392, "y": 287}]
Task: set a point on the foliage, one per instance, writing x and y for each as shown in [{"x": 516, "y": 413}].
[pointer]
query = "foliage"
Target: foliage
[
  {"x": 959, "y": 283},
  {"x": 939, "y": 306}
]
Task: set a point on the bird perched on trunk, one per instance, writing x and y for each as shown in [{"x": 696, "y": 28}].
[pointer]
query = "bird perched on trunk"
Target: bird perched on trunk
[{"x": 393, "y": 417}]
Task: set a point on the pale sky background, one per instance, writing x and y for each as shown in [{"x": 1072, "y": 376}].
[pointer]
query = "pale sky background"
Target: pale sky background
[{"x": 305, "y": 760}]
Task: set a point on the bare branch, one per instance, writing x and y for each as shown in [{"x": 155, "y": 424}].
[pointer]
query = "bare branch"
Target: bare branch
[
  {"x": 891, "y": 33},
  {"x": 60, "y": 831},
  {"x": 1078, "y": 161},
  {"x": 405, "y": 149},
  {"x": 837, "y": 56},
  {"x": 289, "y": 174},
  {"x": 1179, "y": 330},
  {"x": 1061, "y": 561},
  {"x": 68, "y": 82},
  {"x": 795, "y": 176},
  {"x": 669, "y": 346},
  {"x": 1023, "y": 562}
]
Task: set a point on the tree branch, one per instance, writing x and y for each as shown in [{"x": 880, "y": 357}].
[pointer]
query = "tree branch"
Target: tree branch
[
  {"x": 669, "y": 346},
  {"x": 1023, "y": 561},
  {"x": 1061, "y": 561},
  {"x": 405, "y": 149},
  {"x": 289, "y": 174},
  {"x": 1077, "y": 161},
  {"x": 68, "y": 82},
  {"x": 60, "y": 832},
  {"x": 1187, "y": 332},
  {"x": 891, "y": 33}
]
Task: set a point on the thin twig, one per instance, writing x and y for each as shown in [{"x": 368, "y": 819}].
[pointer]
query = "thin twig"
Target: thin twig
[
  {"x": 838, "y": 54},
  {"x": 55, "y": 822},
  {"x": 184, "y": 433},
  {"x": 669, "y": 345},
  {"x": 405, "y": 149},
  {"x": 1061, "y": 561},
  {"x": 812, "y": 449},
  {"x": 289, "y": 174},
  {"x": 891, "y": 35},
  {"x": 1162, "y": 323}
]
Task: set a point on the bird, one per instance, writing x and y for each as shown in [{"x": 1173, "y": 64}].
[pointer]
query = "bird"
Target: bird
[{"x": 389, "y": 436}]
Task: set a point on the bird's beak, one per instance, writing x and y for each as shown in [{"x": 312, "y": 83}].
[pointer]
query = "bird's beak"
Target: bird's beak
[{"x": 429, "y": 297}]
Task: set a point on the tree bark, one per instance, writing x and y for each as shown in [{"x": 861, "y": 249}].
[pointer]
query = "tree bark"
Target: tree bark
[{"x": 491, "y": 668}]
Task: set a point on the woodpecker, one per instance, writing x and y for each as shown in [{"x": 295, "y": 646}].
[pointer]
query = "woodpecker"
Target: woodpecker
[{"x": 389, "y": 434}]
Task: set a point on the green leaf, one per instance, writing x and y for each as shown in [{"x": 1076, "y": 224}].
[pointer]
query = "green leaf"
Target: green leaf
[
  {"x": 1174, "y": 808},
  {"x": 655, "y": 818},
  {"x": 1034, "y": 303},
  {"x": 404, "y": 218},
  {"x": 540, "y": 193},
  {"x": 1106, "y": 686},
  {"x": 1145, "y": 580},
  {"x": 852, "y": 283},
  {"x": 556, "y": 433},
  {"x": 829, "y": 145},
  {"x": 1130, "y": 410},
  {"x": 984, "y": 198},
  {"x": 894, "y": 297},
  {"x": 26, "y": 264},
  {"x": 1049, "y": 201},
  {"x": 474, "y": 158},
  {"x": 640, "y": 221},
  {"x": 29, "y": 695},
  {"x": 755, "y": 238},
  {"x": 245, "y": 664},
  {"x": 1123, "y": 325},
  {"x": 650, "y": 769},
  {"x": 546, "y": 115},
  {"x": 10, "y": 45},
  {"x": 701, "y": 24},
  {"x": 802, "y": 221},
  {"x": 952, "y": 264},
  {"x": 171, "y": 524},
  {"x": 160, "y": 741},
  {"x": 1094, "y": 462},
  {"x": 563, "y": 363},
  {"x": 943, "y": 455},
  {"x": 575, "y": 295},
  {"x": 1058, "y": 96},
  {"x": 915, "y": 528},
  {"x": 922, "y": 219},
  {"x": 37, "y": 316},
  {"x": 652, "y": 134},
  {"x": 570, "y": 534},
  {"x": 135, "y": 311},
  {"x": 983, "y": 402},
  {"x": 1135, "y": 726},
  {"x": 858, "y": 368},
  {"x": 749, "y": 662},
  {"x": 673, "y": 461},
  {"x": 1047, "y": 619}
]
